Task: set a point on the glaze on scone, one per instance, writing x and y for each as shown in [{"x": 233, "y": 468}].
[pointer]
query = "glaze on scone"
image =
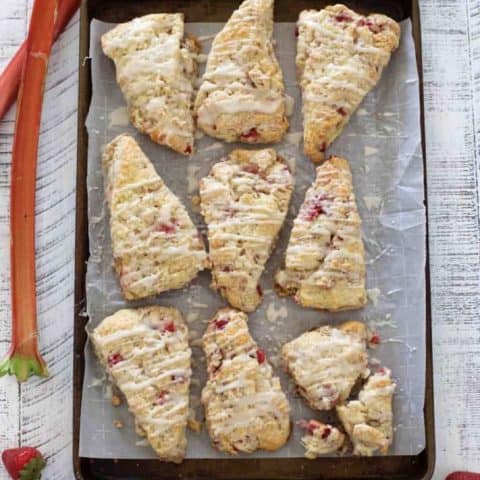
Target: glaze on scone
[
  {"x": 155, "y": 245},
  {"x": 325, "y": 259},
  {"x": 156, "y": 67},
  {"x": 244, "y": 201},
  {"x": 326, "y": 362},
  {"x": 242, "y": 96},
  {"x": 145, "y": 351},
  {"x": 320, "y": 438},
  {"x": 368, "y": 420},
  {"x": 340, "y": 58},
  {"x": 245, "y": 407}
]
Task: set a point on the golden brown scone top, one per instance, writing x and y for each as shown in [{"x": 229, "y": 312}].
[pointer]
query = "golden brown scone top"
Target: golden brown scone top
[
  {"x": 155, "y": 245},
  {"x": 244, "y": 201},
  {"x": 145, "y": 351},
  {"x": 325, "y": 258},
  {"x": 245, "y": 407},
  {"x": 326, "y": 362},
  {"x": 340, "y": 58},
  {"x": 242, "y": 96},
  {"x": 369, "y": 420},
  {"x": 156, "y": 67}
]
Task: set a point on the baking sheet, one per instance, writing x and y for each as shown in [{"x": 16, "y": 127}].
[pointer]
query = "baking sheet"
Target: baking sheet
[{"x": 383, "y": 143}]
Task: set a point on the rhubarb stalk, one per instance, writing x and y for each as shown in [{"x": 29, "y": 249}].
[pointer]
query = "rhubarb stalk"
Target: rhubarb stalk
[
  {"x": 23, "y": 358},
  {"x": 10, "y": 77}
]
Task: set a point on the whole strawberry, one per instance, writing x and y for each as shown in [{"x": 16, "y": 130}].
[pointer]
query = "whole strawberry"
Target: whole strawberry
[{"x": 25, "y": 463}]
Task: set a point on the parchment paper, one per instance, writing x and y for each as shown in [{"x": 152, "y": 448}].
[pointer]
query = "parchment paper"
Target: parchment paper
[{"x": 382, "y": 143}]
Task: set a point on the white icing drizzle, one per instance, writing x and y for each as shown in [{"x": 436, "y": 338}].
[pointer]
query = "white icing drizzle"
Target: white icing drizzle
[
  {"x": 325, "y": 364},
  {"x": 241, "y": 393},
  {"x": 152, "y": 234},
  {"x": 340, "y": 58},
  {"x": 155, "y": 70},
  {"x": 325, "y": 246},
  {"x": 235, "y": 81},
  {"x": 244, "y": 201},
  {"x": 151, "y": 366}
]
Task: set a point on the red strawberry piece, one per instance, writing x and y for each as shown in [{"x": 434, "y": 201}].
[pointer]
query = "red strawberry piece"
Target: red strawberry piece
[
  {"x": 463, "y": 476},
  {"x": 251, "y": 168},
  {"x": 343, "y": 17},
  {"x": 372, "y": 26},
  {"x": 220, "y": 323},
  {"x": 342, "y": 111},
  {"x": 251, "y": 134},
  {"x": 169, "y": 327},
  {"x": 261, "y": 356},
  {"x": 309, "y": 425},
  {"x": 162, "y": 397},
  {"x": 375, "y": 339},
  {"x": 188, "y": 150},
  {"x": 166, "y": 227},
  {"x": 25, "y": 463},
  {"x": 314, "y": 209},
  {"x": 326, "y": 432},
  {"x": 113, "y": 359}
]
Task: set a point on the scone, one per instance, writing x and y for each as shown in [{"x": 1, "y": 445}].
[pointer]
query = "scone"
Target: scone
[
  {"x": 156, "y": 67},
  {"x": 325, "y": 363},
  {"x": 320, "y": 438},
  {"x": 325, "y": 259},
  {"x": 155, "y": 245},
  {"x": 368, "y": 420},
  {"x": 145, "y": 351},
  {"x": 245, "y": 407},
  {"x": 244, "y": 201},
  {"x": 242, "y": 96},
  {"x": 340, "y": 58}
]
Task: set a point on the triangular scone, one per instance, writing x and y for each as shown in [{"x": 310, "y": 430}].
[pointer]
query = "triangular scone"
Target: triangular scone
[
  {"x": 156, "y": 247},
  {"x": 320, "y": 438},
  {"x": 325, "y": 259},
  {"x": 242, "y": 97},
  {"x": 340, "y": 58},
  {"x": 368, "y": 420},
  {"x": 325, "y": 363},
  {"x": 244, "y": 201},
  {"x": 245, "y": 407},
  {"x": 145, "y": 351},
  {"x": 156, "y": 67}
]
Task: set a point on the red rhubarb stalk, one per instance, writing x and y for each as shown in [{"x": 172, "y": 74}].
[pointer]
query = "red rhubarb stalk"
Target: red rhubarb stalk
[
  {"x": 23, "y": 358},
  {"x": 10, "y": 77}
]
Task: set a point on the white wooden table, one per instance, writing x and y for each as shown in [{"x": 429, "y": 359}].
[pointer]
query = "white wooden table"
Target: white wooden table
[{"x": 39, "y": 412}]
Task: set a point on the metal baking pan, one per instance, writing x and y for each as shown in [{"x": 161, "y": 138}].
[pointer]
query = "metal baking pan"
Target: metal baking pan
[{"x": 349, "y": 468}]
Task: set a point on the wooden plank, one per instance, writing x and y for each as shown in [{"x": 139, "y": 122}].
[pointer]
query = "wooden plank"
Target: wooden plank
[
  {"x": 39, "y": 412},
  {"x": 448, "y": 29}
]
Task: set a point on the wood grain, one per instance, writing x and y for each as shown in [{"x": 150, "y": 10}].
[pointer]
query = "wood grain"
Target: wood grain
[
  {"x": 39, "y": 412},
  {"x": 451, "y": 58}
]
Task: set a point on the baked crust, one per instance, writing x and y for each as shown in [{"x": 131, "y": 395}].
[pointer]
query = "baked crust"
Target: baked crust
[
  {"x": 156, "y": 67},
  {"x": 242, "y": 96},
  {"x": 340, "y": 58},
  {"x": 244, "y": 201},
  {"x": 245, "y": 407},
  {"x": 325, "y": 363},
  {"x": 325, "y": 259},
  {"x": 369, "y": 420},
  {"x": 155, "y": 245},
  {"x": 145, "y": 351},
  {"x": 320, "y": 438}
]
